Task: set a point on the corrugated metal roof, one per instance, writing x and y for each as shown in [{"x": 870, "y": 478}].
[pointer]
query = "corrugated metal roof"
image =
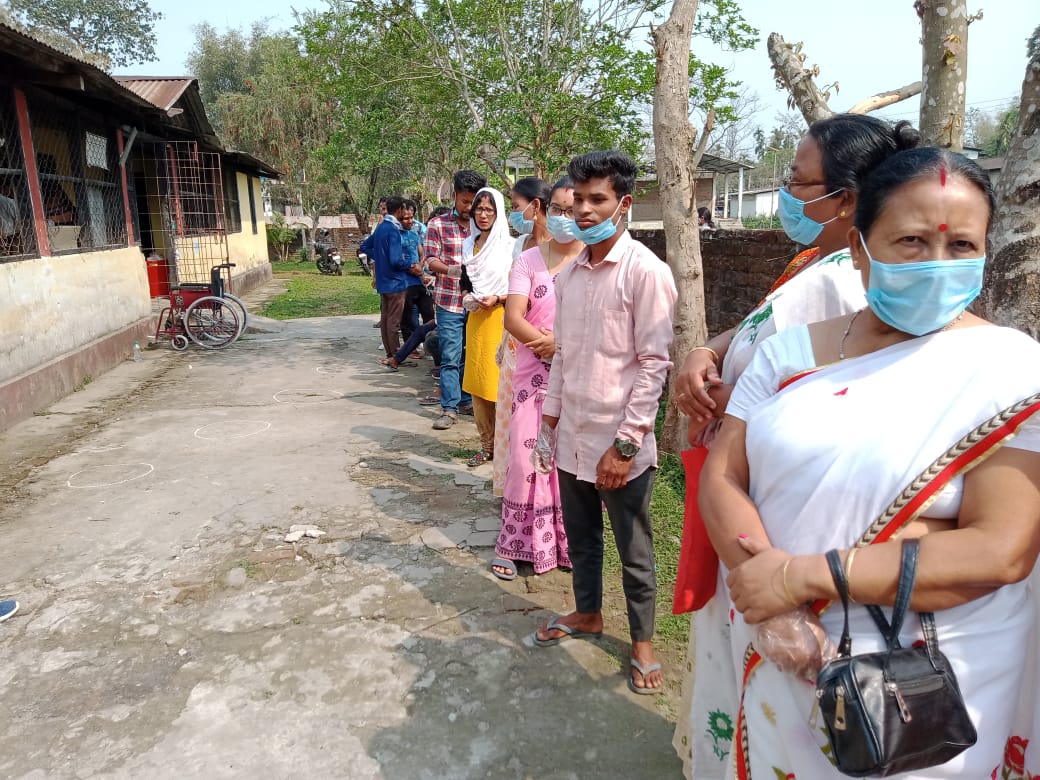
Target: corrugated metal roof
[{"x": 161, "y": 91}]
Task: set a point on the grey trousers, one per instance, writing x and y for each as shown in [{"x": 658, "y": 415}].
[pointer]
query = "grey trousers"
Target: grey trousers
[{"x": 629, "y": 511}]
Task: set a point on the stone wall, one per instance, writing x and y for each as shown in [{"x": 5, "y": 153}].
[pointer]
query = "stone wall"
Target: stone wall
[{"x": 739, "y": 268}]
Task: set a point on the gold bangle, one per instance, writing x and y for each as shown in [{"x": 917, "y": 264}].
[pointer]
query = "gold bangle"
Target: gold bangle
[
  {"x": 848, "y": 572},
  {"x": 783, "y": 581},
  {"x": 714, "y": 354}
]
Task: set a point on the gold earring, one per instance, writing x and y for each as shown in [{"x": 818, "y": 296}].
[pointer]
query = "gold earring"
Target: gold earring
[{"x": 841, "y": 214}]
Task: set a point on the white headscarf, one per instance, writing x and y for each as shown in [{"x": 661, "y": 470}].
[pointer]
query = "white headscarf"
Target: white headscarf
[{"x": 489, "y": 268}]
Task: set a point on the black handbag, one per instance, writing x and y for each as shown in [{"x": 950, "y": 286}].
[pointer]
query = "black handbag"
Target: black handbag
[{"x": 896, "y": 710}]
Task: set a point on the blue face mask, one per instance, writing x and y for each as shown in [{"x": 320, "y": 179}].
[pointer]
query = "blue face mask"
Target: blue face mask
[
  {"x": 560, "y": 228},
  {"x": 596, "y": 234},
  {"x": 922, "y": 297},
  {"x": 524, "y": 227},
  {"x": 800, "y": 228}
]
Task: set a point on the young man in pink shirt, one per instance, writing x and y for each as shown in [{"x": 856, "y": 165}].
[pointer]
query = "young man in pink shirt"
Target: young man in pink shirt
[{"x": 613, "y": 329}]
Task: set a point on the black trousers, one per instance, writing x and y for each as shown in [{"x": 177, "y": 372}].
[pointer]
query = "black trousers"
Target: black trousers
[
  {"x": 417, "y": 302},
  {"x": 629, "y": 511}
]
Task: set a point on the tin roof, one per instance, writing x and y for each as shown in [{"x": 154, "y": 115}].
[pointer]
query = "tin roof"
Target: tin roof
[{"x": 160, "y": 91}]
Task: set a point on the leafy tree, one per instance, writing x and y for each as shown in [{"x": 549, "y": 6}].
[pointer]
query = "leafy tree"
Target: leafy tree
[
  {"x": 110, "y": 33},
  {"x": 281, "y": 235},
  {"x": 997, "y": 143}
]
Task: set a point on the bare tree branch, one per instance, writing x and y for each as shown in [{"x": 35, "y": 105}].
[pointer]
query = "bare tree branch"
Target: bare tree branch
[
  {"x": 787, "y": 65},
  {"x": 882, "y": 99}
]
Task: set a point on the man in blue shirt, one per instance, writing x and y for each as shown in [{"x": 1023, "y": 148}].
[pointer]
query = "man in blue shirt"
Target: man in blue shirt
[
  {"x": 417, "y": 298},
  {"x": 391, "y": 268}
]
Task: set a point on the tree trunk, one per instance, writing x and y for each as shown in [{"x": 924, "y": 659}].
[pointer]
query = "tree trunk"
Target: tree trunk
[
  {"x": 944, "y": 71},
  {"x": 673, "y": 142},
  {"x": 1011, "y": 295},
  {"x": 787, "y": 64}
]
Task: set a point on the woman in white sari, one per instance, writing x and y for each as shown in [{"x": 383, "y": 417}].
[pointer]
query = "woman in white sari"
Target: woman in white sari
[{"x": 804, "y": 466}]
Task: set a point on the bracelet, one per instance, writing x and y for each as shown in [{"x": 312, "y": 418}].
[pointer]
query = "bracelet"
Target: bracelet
[
  {"x": 783, "y": 581},
  {"x": 848, "y": 572},
  {"x": 714, "y": 354}
]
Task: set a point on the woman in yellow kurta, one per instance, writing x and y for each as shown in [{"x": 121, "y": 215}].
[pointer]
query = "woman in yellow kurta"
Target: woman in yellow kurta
[{"x": 486, "y": 257}]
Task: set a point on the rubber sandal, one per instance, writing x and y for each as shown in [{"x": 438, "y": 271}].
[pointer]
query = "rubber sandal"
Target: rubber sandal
[
  {"x": 430, "y": 400},
  {"x": 643, "y": 671},
  {"x": 569, "y": 633},
  {"x": 502, "y": 563},
  {"x": 410, "y": 363},
  {"x": 480, "y": 459}
]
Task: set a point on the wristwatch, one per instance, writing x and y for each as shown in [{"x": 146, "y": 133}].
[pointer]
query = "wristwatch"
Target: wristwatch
[{"x": 626, "y": 449}]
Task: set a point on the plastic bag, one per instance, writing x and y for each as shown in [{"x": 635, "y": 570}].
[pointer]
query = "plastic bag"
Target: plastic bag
[
  {"x": 544, "y": 448},
  {"x": 796, "y": 642}
]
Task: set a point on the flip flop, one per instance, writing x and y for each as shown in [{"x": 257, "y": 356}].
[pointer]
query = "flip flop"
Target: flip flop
[
  {"x": 502, "y": 563},
  {"x": 569, "y": 633},
  {"x": 643, "y": 671}
]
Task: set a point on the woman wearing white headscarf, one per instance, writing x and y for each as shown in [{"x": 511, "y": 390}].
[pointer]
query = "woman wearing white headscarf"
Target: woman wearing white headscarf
[{"x": 487, "y": 258}]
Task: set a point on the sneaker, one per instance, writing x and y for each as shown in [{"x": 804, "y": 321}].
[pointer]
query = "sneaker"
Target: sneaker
[
  {"x": 465, "y": 408},
  {"x": 7, "y": 609},
  {"x": 445, "y": 421}
]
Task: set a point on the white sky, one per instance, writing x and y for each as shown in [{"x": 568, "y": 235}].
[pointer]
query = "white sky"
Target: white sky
[{"x": 867, "y": 47}]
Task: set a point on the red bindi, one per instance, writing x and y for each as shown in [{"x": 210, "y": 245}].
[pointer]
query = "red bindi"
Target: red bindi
[
  {"x": 942, "y": 228},
  {"x": 942, "y": 177}
]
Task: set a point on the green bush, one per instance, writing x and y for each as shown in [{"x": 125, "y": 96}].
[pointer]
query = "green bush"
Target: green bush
[{"x": 760, "y": 223}]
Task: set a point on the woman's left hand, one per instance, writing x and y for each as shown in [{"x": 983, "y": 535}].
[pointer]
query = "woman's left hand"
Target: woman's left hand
[
  {"x": 488, "y": 301},
  {"x": 756, "y": 586}
]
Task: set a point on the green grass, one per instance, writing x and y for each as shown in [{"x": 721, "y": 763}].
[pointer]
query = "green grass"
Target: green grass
[{"x": 312, "y": 294}]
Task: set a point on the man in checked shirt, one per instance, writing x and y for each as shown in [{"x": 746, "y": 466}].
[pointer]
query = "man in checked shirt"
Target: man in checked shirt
[{"x": 443, "y": 250}]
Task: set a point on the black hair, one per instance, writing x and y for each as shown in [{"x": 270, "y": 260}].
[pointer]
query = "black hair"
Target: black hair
[
  {"x": 484, "y": 196},
  {"x": 905, "y": 167},
  {"x": 383, "y": 200},
  {"x": 703, "y": 213},
  {"x": 534, "y": 188},
  {"x": 393, "y": 203},
  {"x": 611, "y": 164},
  {"x": 566, "y": 183},
  {"x": 410, "y": 204},
  {"x": 440, "y": 211},
  {"x": 852, "y": 145},
  {"x": 469, "y": 181}
]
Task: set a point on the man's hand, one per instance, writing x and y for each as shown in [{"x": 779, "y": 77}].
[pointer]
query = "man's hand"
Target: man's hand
[
  {"x": 612, "y": 470},
  {"x": 487, "y": 302},
  {"x": 415, "y": 270}
]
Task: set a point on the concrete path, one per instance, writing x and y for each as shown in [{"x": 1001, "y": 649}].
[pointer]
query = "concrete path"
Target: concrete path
[{"x": 168, "y": 630}]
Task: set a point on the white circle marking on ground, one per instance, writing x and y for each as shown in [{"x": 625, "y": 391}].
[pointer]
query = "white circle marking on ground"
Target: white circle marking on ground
[
  {"x": 307, "y": 396},
  {"x": 107, "y": 476},
  {"x": 231, "y": 429}
]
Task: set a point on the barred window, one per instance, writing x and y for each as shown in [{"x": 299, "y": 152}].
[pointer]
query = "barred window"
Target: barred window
[
  {"x": 252, "y": 206},
  {"x": 198, "y": 191},
  {"x": 78, "y": 168},
  {"x": 17, "y": 229},
  {"x": 231, "y": 205}
]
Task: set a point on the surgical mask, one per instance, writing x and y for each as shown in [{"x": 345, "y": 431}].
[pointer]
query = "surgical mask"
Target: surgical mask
[
  {"x": 800, "y": 228},
  {"x": 922, "y": 297},
  {"x": 524, "y": 227},
  {"x": 596, "y": 234},
  {"x": 560, "y": 228}
]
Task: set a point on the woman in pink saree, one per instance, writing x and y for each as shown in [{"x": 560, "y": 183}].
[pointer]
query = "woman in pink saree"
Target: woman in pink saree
[{"x": 532, "y": 518}]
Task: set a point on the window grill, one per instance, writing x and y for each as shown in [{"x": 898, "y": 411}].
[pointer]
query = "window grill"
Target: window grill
[
  {"x": 17, "y": 229},
  {"x": 231, "y": 202},
  {"x": 78, "y": 168}
]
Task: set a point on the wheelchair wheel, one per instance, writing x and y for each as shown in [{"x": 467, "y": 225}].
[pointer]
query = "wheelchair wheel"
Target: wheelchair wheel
[
  {"x": 212, "y": 322},
  {"x": 179, "y": 342},
  {"x": 243, "y": 315}
]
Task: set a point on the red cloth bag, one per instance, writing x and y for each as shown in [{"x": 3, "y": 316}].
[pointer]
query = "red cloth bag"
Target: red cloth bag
[{"x": 698, "y": 569}]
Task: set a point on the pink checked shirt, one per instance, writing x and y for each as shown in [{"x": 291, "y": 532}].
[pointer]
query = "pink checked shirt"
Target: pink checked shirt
[
  {"x": 613, "y": 329},
  {"x": 444, "y": 240}
]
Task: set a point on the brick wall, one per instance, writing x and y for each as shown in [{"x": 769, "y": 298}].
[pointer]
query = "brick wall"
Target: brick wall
[{"x": 739, "y": 268}]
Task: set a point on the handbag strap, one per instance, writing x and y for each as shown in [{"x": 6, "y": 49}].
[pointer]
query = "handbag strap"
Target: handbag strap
[
  {"x": 972, "y": 449},
  {"x": 904, "y": 590}
]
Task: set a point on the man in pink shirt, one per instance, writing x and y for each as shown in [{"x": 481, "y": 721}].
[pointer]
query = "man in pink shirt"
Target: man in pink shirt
[{"x": 613, "y": 329}]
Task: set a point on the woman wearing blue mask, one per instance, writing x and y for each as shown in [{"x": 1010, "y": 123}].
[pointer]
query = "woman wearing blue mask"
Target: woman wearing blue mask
[
  {"x": 529, "y": 199},
  {"x": 532, "y": 516},
  {"x": 860, "y": 405},
  {"x": 817, "y": 205}
]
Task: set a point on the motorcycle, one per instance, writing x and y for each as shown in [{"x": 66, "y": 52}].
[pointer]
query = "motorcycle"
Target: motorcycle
[
  {"x": 328, "y": 258},
  {"x": 365, "y": 263}
]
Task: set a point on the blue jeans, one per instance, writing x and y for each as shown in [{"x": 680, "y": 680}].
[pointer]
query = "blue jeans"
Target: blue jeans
[{"x": 451, "y": 332}]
